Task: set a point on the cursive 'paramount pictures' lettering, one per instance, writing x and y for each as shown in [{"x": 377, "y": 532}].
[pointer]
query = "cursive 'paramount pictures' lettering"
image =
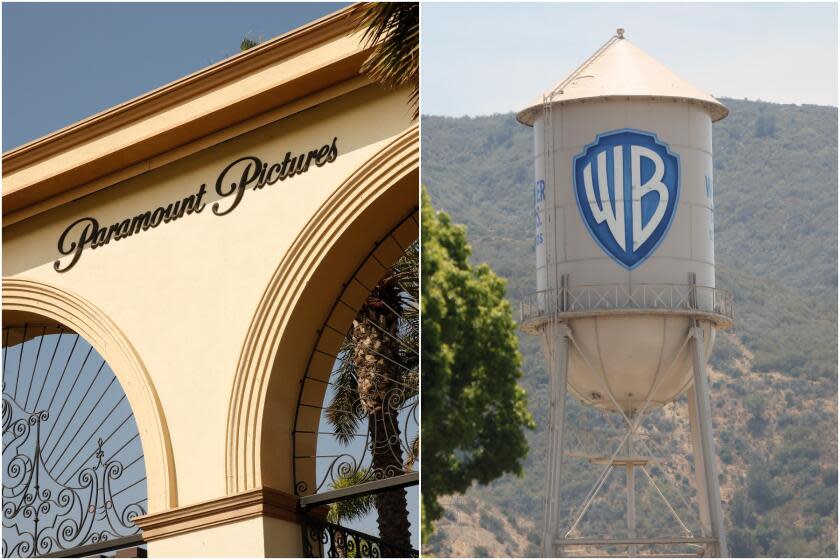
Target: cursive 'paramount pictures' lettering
[{"x": 248, "y": 171}]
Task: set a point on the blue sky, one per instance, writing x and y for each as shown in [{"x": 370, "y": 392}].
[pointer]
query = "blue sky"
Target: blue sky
[
  {"x": 481, "y": 58},
  {"x": 64, "y": 62}
]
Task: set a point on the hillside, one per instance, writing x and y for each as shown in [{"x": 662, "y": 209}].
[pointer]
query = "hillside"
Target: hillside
[{"x": 774, "y": 376}]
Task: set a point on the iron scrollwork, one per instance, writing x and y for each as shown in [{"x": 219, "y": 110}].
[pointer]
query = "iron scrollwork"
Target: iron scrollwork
[
  {"x": 387, "y": 449},
  {"x": 63, "y": 494},
  {"x": 322, "y": 539}
]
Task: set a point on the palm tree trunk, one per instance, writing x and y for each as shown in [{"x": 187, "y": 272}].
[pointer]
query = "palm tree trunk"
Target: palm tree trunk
[
  {"x": 381, "y": 393},
  {"x": 392, "y": 506}
]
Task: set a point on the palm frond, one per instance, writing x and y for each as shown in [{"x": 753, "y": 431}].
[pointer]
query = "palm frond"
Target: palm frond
[
  {"x": 248, "y": 43},
  {"x": 354, "y": 507},
  {"x": 393, "y": 28},
  {"x": 343, "y": 413},
  {"x": 414, "y": 454}
]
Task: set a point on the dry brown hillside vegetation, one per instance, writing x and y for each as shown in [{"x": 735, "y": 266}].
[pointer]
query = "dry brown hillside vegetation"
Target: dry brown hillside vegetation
[{"x": 473, "y": 526}]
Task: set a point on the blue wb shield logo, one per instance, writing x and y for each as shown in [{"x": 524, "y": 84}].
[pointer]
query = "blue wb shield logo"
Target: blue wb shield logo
[{"x": 627, "y": 185}]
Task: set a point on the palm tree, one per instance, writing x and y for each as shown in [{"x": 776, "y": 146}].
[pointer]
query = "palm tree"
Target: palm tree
[
  {"x": 394, "y": 29},
  {"x": 376, "y": 376},
  {"x": 377, "y": 370},
  {"x": 347, "y": 510}
]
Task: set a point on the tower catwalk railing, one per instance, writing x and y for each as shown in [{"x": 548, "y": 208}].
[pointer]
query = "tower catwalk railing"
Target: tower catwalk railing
[{"x": 682, "y": 299}]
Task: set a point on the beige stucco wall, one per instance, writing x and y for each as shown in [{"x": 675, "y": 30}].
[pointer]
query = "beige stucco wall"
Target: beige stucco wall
[
  {"x": 255, "y": 537},
  {"x": 185, "y": 292}
]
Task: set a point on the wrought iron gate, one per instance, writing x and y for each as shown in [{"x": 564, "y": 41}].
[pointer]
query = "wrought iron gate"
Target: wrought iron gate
[{"x": 73, "y": 470}]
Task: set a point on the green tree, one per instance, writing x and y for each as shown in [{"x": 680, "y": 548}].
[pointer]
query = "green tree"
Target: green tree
[
  {"x": 481, "y": 552},
  {"x": 393, "y": 29},
  {"x": 765, "y": 491},
  {"x": 829, "y": 476},
  {"x": 756, "y": 403},
  {"x": 765, "y": 126},
  {"x": 474, "y": 411}
]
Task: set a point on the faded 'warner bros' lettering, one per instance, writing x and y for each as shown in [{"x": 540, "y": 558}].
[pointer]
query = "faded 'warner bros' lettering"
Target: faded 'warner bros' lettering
[{"x": 249, "y": 171}]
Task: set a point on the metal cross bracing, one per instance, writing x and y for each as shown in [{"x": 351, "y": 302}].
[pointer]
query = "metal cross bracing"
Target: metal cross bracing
[
  {"x": 626, "y": 448},
  {"x": 73, "y": 470},
  {"x": 356, "y": 436},
  {"x": 632, "y": 452}
]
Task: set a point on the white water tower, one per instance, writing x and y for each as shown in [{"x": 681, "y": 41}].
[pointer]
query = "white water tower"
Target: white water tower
[{"x": 626, "y": 303}]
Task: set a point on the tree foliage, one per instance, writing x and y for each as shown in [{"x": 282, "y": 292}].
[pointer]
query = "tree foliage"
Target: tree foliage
[{"x": 474, "y": 411}]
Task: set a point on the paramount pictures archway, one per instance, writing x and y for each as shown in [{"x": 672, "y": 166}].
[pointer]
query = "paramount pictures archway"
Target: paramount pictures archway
[{"x": 177, "y": 237}]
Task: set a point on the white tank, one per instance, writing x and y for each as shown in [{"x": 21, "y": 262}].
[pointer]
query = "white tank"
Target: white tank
[{"x": 624, "y": 238}]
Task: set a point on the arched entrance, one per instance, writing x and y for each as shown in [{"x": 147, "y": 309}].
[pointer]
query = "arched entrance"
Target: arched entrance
[
  {"x": 36, "y": 303},
  {"x": 74, "y": 465},
  {"x": 356, "y": 436},
  {"x": 372, "y": 213}
]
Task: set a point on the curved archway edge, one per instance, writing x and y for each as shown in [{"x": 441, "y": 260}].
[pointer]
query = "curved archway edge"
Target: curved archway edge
[
  {"x": 322, "y": 357},
  {"x": 296, "y": 304},
  {"x": 30, "y": 297}
]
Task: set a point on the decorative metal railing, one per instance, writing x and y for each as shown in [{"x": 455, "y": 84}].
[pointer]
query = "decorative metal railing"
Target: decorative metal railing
[
  {"x": 73, "y": 476},
  {"x": 322, "y": 539},
  {"x": 598, "y": 298}
]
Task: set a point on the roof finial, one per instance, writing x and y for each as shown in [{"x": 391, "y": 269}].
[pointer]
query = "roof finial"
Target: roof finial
[{"x": 620, "y": 32}]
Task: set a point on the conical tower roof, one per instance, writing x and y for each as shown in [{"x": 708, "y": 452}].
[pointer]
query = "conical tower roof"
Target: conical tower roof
[{"x": 620, "y": 69}]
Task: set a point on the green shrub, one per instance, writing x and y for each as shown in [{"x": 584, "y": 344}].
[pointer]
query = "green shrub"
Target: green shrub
[
  {"x": 742, "y": 544},
  {"x": 481, "y": 552},
  {"x": 829, "y": 476},
  {"x": 533, "y": 551},
  {"x": 823, "y": 503},
  {"x": 765, "y": 491}
]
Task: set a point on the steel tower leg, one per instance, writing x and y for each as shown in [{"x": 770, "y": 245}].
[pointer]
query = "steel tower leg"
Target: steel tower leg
[
  {"x": 708, "y": 487},
  {"x": 631, "y": 494},
  {"x": 558, "y": 371},
  {"x": 699, "y": 465}
]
